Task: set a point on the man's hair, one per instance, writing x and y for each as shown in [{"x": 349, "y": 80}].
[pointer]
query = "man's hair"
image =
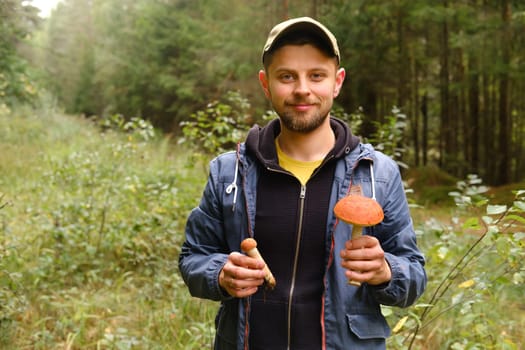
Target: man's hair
[{"x": 299, "y": 38}]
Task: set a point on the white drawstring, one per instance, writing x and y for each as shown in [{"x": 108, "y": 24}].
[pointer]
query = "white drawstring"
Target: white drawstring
[
  {"x": 373, "y": 181},
  {"x": 233, "y": 186}
]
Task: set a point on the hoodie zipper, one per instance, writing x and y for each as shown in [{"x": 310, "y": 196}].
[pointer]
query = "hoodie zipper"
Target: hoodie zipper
[{"x": 302, "y": 196}]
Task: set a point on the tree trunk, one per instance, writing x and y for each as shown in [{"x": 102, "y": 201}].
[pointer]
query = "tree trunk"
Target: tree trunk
[
  {"x": 415, "y": 109},
  {"x": 463, "y": 119},
  {"x": 369, "y": 97},
  {"x": 456, "y": 118},
  {"x": 313, "y": 12},
  {"x": 402, "y": 67},
  {"x": 519, "y": 167},
  {"x": 424, "y": 101},
  {"x": 285, "y": 7},
  {"x": 444, "y": 141},
  {"x": 424, "y": 141},
  {"x": 504, "y": 139},
  {"x": 472, "y": 129}
]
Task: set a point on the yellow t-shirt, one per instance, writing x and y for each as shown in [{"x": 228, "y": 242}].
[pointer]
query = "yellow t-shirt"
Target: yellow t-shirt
[{"x": 301, "y": 170}]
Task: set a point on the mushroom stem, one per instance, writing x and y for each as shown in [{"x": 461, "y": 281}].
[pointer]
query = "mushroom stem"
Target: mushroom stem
[
  {"x": 357, "y": 231},
  {"x": 249, "y": 246}
]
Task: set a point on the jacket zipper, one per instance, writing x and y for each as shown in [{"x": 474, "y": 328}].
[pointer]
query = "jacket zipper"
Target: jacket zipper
[
  {"x": 295, "y": 263},
  {"x": 302, "y": 197}
]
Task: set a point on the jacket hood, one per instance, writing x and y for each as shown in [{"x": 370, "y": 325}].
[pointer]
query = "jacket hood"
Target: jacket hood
[{"x": 260, "y": 141}]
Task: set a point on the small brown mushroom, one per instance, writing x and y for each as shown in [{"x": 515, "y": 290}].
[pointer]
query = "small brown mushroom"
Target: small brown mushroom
[
  {"x": 359, "y": 211},
  {"x": 249, "y": 246}
]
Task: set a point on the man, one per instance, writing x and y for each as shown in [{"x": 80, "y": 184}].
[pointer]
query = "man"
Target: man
[{"x": 280, "y": 187}]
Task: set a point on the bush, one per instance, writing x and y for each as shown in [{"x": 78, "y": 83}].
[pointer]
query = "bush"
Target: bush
[
  {"x": 218, "y": 128},
  {"x": 475, "y": 265},
  {"x": 91, "y": 235}
]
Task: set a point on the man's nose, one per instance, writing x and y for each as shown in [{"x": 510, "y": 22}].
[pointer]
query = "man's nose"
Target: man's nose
[{"x": 302, "y": 87}]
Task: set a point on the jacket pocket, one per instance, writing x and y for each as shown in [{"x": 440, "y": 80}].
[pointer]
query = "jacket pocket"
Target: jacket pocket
[
  {"x": 226, "y": 326},
  {"x": 368, "y": 326}
]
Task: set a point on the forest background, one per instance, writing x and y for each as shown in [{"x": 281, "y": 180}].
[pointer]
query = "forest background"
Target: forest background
[
  {"x": 456, "y": 69},
  {"x": 109, "y": 110}
]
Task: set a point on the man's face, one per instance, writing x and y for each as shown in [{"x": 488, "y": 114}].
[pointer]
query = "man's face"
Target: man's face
[{"x": 301, "y": 83}]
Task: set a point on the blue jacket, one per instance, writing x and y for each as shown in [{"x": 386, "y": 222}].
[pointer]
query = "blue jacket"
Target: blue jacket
[{"x": 352, "y": 317}]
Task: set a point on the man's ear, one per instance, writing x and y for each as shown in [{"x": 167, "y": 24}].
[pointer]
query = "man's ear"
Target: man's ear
[
  {"x": 339, "y": 79},
  {"x": 263, "y": 80}
]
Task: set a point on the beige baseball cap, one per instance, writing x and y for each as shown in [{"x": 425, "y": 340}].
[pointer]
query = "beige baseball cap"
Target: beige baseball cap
[{"x": 301, "y": 23}]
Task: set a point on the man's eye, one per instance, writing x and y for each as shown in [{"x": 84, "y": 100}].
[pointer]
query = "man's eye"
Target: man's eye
[
  {"x": 286, "y": 77},
  {"x": 317, "y": 76}
]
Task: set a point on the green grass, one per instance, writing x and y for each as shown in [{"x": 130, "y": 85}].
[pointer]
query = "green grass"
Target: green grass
[
  {"x": 90, "y": 236},
  {"x": 92, "y": 226}
]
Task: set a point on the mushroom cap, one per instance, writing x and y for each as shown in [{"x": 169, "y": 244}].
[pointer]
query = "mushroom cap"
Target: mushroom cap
[
  {"x": 359, "y": 210},
  {"x": 248, "y": 244}
]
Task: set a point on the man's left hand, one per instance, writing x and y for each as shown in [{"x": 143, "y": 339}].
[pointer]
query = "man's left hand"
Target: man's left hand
[{"x": 365, "y": 261}]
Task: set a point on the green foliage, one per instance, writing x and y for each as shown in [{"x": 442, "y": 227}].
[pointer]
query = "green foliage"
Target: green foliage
[
  {"x": 12, "y": 298},
  {"x": 87, "y": 234},
  {"x": 219, "y": 127},
  {"x": 16, "y": 22},
  {"x": 389, "y": 136},
  {"x": 474, "y": 264},
  {"x": 90, "y": 228},
  {"x": 16, "y": 86},
  {"x": 470, "y": 192},
  {"x": 354, "y": 120},
  {"x": 139, "y": 127},
  {"x": 163, "y": 60},
  {"x": 152, "y": 59}
]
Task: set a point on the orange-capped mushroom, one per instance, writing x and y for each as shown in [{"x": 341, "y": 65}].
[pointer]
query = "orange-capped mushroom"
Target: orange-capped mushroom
[
  {"x": 359, "y": 211},
  {"x": 249, "y": 246}
]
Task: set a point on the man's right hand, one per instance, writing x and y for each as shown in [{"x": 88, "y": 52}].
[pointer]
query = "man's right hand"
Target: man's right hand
[{"x": 241, "y": 275}]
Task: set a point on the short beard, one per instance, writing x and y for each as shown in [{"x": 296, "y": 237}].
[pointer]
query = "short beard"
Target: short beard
[{"x": 302, "y": 125}]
